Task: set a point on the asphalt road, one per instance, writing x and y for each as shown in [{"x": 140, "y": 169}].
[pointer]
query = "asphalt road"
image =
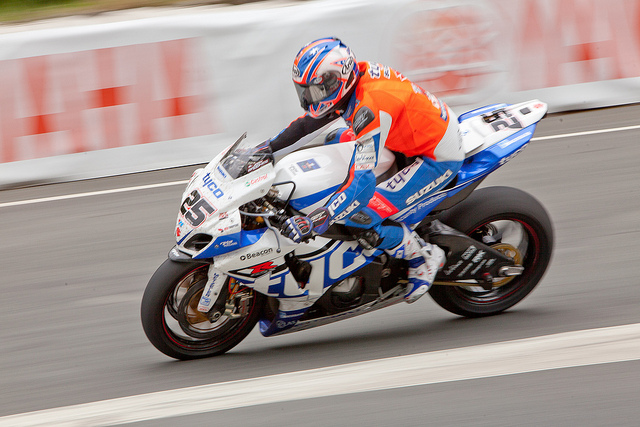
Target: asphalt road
[{"x": 73, "y": 273}]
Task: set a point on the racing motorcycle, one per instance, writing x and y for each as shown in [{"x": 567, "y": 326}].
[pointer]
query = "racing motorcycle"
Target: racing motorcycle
[{"x": 232, "y": 267}]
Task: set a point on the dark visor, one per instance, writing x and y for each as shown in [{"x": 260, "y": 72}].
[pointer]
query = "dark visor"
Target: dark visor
[{"x": 312, "y": 94}]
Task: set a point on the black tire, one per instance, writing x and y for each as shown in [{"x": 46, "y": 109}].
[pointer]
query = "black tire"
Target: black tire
[
  {"x": 175, "y": 328},
  {"x": 475, "y": 215}
]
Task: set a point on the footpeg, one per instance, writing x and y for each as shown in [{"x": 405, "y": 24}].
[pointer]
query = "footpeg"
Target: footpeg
[{"x": 510, "y": 270}]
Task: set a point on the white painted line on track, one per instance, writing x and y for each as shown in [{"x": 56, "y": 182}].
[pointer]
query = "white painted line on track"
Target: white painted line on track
[
  {"x": 91, "y": 193},
  {"x": 589, "y": 132},
  {"x": 168, "y": 184},
  {"x": 563, "y": 350}
]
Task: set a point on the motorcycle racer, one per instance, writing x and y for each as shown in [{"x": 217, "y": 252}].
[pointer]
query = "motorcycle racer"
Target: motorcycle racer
[{"x": 382, "y": 109}]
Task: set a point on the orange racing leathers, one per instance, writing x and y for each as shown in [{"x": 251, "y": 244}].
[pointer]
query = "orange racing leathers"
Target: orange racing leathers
[{"x": 386, "y": 110}]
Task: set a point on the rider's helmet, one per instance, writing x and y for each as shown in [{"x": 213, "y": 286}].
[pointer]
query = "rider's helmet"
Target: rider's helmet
[{"x": 324, "y": 72}]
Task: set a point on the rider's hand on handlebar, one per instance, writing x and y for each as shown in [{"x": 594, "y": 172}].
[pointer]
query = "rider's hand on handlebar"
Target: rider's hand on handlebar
[{"x": 300, "y": 228}]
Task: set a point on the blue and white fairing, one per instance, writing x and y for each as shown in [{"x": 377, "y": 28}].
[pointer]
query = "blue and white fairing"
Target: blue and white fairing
[
  {"x": 209, "y": 223},
  {"x": 209, "y": 227},
  {"x": 491, "y": 136}
]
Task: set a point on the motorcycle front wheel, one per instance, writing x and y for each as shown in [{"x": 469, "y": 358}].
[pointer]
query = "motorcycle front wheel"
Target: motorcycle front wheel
[
  {"x": 173, "y": 324},
  {"x": 513, "y": 222}
]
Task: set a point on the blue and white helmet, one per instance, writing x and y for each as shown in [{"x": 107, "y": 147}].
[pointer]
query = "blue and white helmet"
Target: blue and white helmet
[{"x": 324, "y": 72}]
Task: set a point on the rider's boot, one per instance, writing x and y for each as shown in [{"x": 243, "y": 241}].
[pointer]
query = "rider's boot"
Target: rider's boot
[{"x": 425, "y": 259}]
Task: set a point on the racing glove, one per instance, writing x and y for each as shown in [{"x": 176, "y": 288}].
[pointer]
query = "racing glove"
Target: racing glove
[{"x": 300, "y": 228}]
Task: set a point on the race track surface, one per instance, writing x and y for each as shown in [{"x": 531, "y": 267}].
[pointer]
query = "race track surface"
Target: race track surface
[{"x": 74, "y": 269}]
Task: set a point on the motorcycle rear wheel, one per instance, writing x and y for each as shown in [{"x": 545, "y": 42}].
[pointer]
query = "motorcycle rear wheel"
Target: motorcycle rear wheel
[
  {"x": 479, "y": 216},
  {"x": 174, "y": 326}
]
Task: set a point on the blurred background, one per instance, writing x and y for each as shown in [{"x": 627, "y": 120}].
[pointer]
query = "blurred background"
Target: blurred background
[
  {"x": 120, "y": 89},
  {"x": 106, "y": 107}
]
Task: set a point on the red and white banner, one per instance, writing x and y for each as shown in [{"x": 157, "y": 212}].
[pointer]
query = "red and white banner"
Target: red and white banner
[
  {"x": 99, "y": 99},
  {"x": 469, "y": 52},
  {"x": 93, "y": 100}
]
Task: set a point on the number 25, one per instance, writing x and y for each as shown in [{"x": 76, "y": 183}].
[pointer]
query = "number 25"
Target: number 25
[{"x": 196, "y": 208}]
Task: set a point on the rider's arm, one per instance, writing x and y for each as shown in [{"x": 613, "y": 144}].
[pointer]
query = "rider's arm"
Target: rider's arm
[
  {"x": 371, "y": 127},
  {"x": 371, "y": 130},
  {"x": 300, "y": 132}
]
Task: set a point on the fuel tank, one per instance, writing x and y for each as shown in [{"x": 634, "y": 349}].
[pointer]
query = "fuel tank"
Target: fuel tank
[{"x": 318, "y": 172}]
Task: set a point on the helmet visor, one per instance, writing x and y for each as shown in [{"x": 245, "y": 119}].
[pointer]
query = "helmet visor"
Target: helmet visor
[{"x": 312, "y": 94}]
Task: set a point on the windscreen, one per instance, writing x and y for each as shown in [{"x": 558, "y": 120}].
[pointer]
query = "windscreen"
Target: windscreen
[{"x": 245, "y": 157}]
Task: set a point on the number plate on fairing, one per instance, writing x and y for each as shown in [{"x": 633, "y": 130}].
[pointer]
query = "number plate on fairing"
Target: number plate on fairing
[{"x": 484, "y": 130}]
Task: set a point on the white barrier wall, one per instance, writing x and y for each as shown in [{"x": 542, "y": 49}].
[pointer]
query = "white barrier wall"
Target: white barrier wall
[{"x": 93, "y": 100}]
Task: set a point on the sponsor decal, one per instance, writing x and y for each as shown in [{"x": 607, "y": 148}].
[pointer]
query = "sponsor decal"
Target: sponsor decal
[
  {"x": 510, "y": 156},
  {"x": 421, "y": 206},
  {"x": 308, "y": 165},
  {"x": 382, "y": 206},
  {"x": 468, "y": 252},
  {"x": 295, "y": 72},
  {"x": 205, "y": 298},
  {"x": 377, "y": 70},
  {"x": 478, "y": 256},
  {"x": 346, "y": 212},
  {"x": 257, "y": 165},
  {"x": 336, "y": 203},
  {"x": 222, "y": 172},
  {"x": 212, "y": 186},
  {"x": 319, "y": 218},
  {"x": 374, "y": 70},
  {"x": 345, "y": 259},
  {"x": 363, "y": 117},
  {"x": 262, "y": 268},
  {"x": 453, "y": 268},
  {"x": 348, "y": 65},
  {"x": 255, "y": 180},
  {"x": 433, "y": 184},
  {"x": 287, "y": 315},
  {"x": 228, "y": 243},
  {"x": 365, "y": 158},
  {"x": 399, "y": 180},
  {"x": 366, "y": 155},
  {"x": 364, "y": 161},
  {"x": 284, "y": 324},
  {"x": 361, "y": 218},
  {"x": 256, "y": 254},
  {"x": 400, "y": 76},
  {"x": 465, "y": 269},
  {"x": 478, "y": 267},
  {"x": 365, "y": 167}
]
